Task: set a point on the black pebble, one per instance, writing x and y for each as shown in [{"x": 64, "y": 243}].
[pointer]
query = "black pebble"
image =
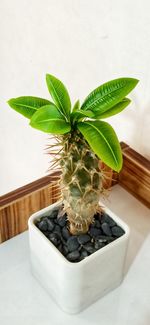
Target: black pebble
[
  {"x": 83, "y": 239},
  {"x": 50, "y": 225},
  {"x": 54, "y": 239},
  {"x": 42, "y": 225},
  {"x": 106, "y": 229},
  {"x": 72, "y": 243},
  {"x": 105, "y": 218},
  {"x": 65, "y": 250},
  {"x": 62, "y": 221},
  {"x": 89, "y": 248},
  {"x": 57, "y": 230},
  {"x": 103, "y": 231},
  {"x": 65, "y": 232},
  {"x": 83, "y": 253},
  {"x": 60, "y": 247},
  {"x": 94, "y": 232},
  {"x": 99, "y": 245},
  {"x": 73, "y": 256},
  {"x": 46, "y": 233},
  {"x": 96, "y": 224},
  {"x": 117, "y": 231},
  {"x": 37, "y": 223},
  {"x": 110, "y": 239},
  {"x": 102, "y": 239}
]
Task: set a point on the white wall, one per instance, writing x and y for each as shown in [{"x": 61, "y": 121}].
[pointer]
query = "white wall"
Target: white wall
[{"x": 84, "y": 43}]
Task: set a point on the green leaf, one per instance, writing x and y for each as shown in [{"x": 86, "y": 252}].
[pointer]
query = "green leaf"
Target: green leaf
[
  {"x": 27, "y": 105},
  {"x": 76, "y": 106},
  {"x": 81, "y": 114},
  {"x": 48, "y": 119},
  {"x": 115, "y": 109},
  {"x": 109, "y": 94},
  {"x": 103, "y": 141},
  {"x": 59, "y": 94}
]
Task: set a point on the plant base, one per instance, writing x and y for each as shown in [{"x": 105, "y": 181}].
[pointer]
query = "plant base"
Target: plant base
[{"x": 74, "y": 286}]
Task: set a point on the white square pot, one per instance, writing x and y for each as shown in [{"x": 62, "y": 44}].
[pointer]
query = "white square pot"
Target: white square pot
[{"x": 75, "y": 286}]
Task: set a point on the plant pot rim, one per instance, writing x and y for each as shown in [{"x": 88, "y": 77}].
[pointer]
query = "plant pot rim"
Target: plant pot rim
[{"x": 42, "y": 212}]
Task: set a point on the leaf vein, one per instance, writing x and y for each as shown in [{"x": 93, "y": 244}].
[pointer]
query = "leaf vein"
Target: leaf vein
[{"x": 104, "y": 140}]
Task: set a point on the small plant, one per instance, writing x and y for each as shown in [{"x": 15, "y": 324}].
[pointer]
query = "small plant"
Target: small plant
[{"x": 84, "y": 139}]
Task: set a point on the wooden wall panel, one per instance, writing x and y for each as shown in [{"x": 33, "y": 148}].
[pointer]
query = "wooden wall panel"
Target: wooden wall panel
[{"x": 14, "y": 215}]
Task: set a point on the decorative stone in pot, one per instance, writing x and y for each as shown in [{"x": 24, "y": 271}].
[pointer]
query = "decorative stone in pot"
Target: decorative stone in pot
[{"x": 74, "y": 286}]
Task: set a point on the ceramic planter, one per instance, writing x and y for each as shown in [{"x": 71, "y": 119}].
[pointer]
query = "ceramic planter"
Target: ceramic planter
[{"x": 75, "y": 286}]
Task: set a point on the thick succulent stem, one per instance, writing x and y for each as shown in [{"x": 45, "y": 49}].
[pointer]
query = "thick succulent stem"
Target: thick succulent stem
[{"x": 81, "y": 183}]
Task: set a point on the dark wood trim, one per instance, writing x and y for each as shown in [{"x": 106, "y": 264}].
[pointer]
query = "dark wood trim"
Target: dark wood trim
[
  {"x": 135, "y": 174},
  {"x": 14, "y": 215}
]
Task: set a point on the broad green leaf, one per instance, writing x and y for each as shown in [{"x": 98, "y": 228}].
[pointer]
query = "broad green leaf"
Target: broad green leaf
[
  {"x": 109, "y": 94},
  {"x": 103, "y": 141},
  {"x": 59, "y": 94},
  {"x": 81, "y": 114},
  {"x": 27, "y": 105},
  {"x": 76, "y": 106},
  {"x": 115, "y": 109},
  {"x": 48, "y": 119}
]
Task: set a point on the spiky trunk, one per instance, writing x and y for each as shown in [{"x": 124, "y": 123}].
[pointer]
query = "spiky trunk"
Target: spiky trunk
[{"x": 81, "y": 182}]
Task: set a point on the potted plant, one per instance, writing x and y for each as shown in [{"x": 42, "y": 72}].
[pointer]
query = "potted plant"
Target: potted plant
[{"x": 77, "y": 247}]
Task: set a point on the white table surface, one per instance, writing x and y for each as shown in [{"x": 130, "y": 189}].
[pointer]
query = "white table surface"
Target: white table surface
[{"x": 24, "y": 302}]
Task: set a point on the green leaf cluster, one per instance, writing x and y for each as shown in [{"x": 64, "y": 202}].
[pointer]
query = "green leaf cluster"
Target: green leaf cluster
[{"x": 58, "y": 117}]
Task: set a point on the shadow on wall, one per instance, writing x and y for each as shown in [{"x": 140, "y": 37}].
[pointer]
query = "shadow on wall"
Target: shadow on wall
[
  {"x": 145, "y": 132},
  {"x": 140, "y": 119}
]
